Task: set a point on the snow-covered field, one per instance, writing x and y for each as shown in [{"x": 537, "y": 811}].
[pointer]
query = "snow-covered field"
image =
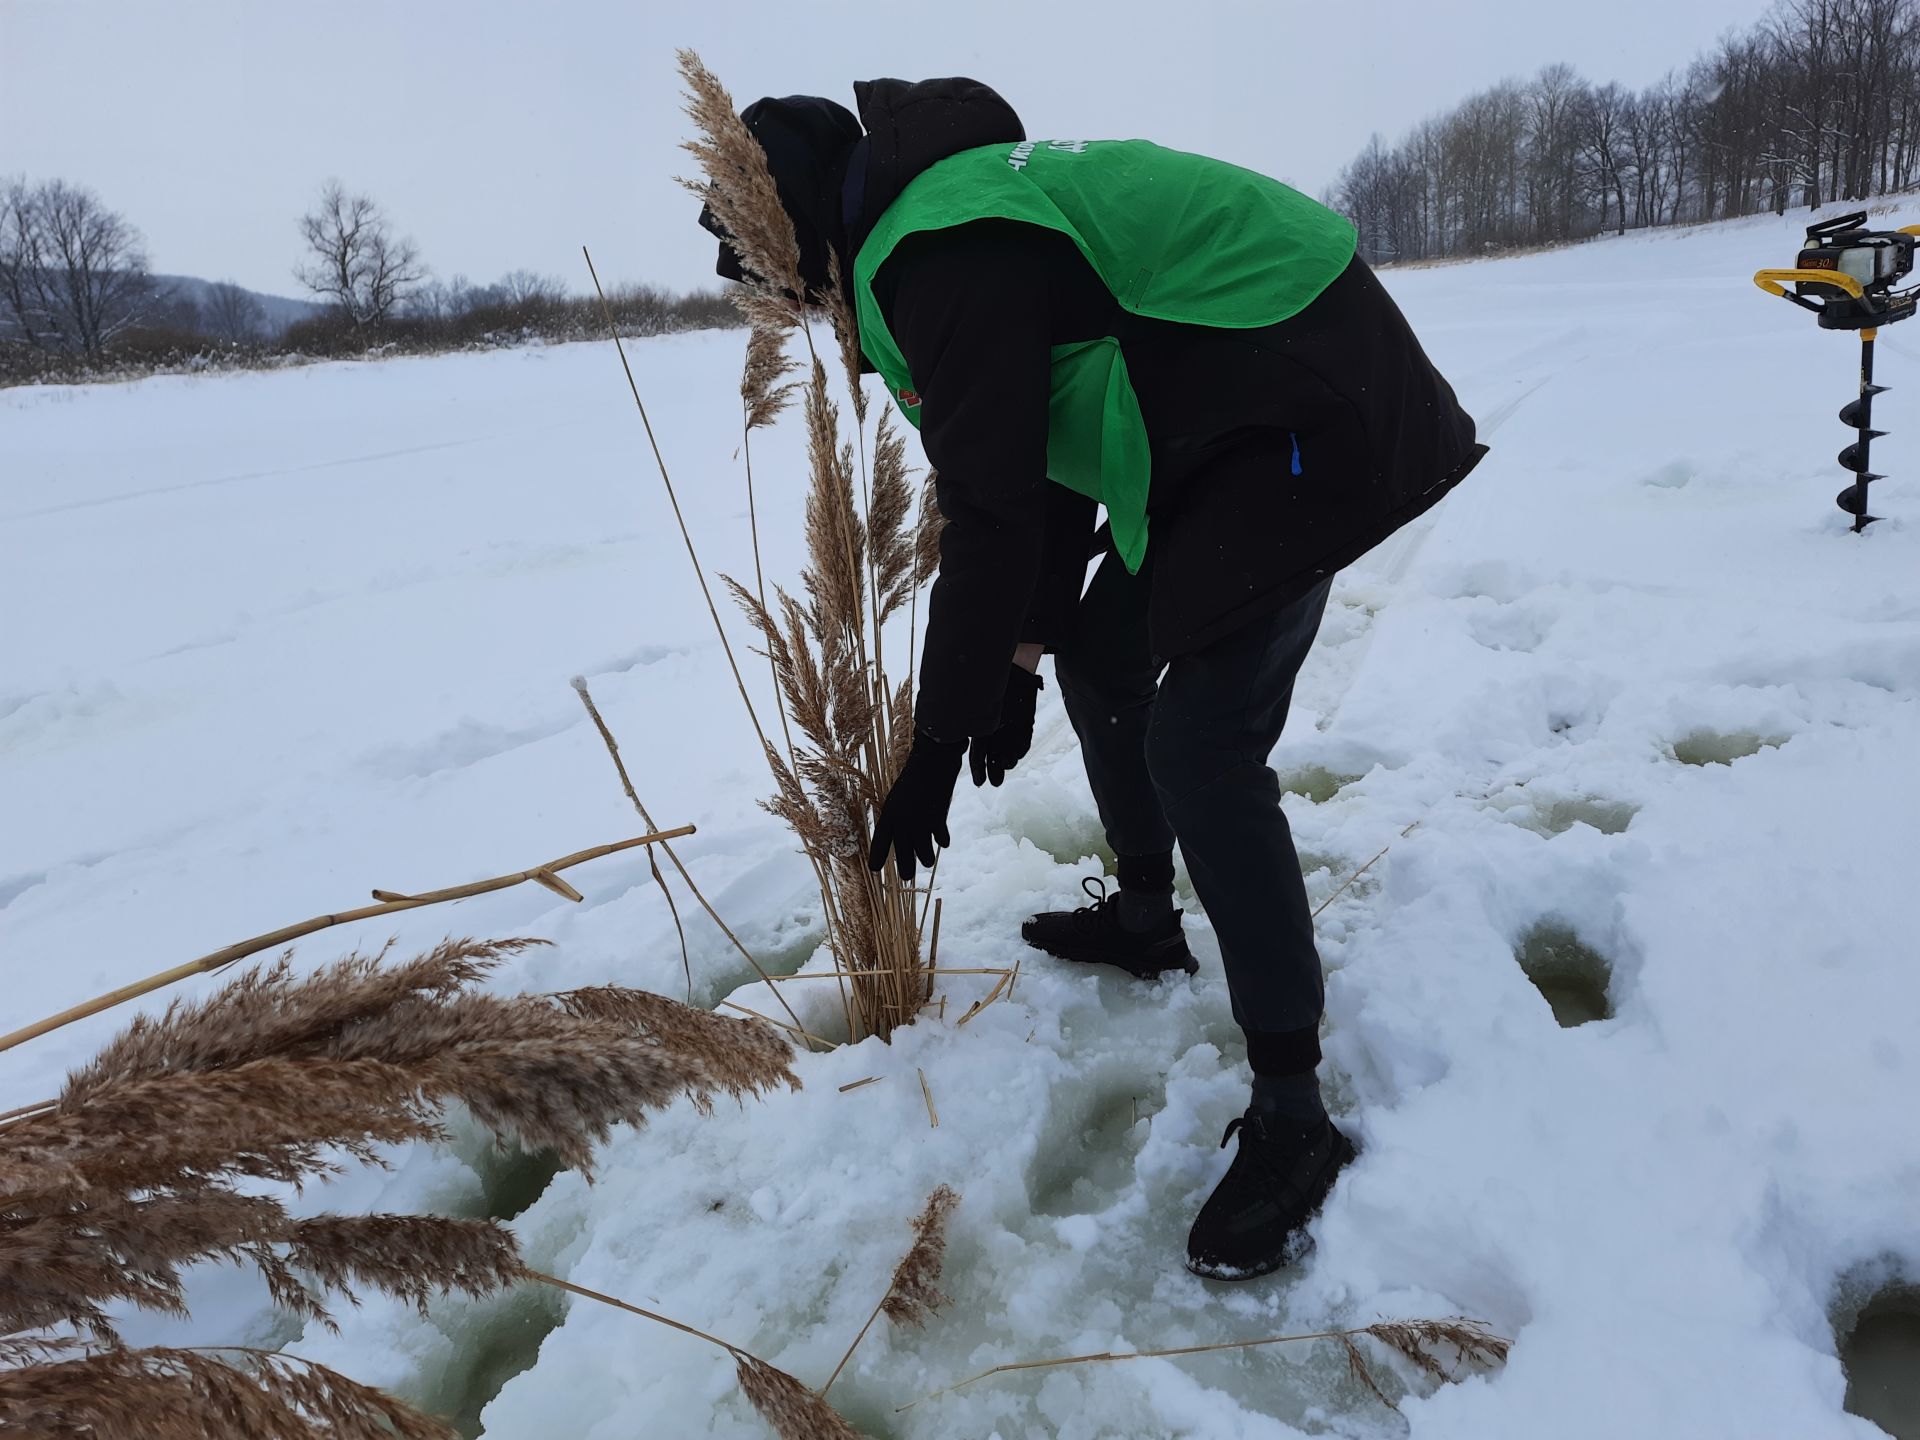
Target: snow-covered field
[{"x": 271, "y": 641}]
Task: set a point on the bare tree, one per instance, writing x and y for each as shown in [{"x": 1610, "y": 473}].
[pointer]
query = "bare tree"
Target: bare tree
[
  {"x": 357, "y": 263},
  {"x": 73, "y": 274},
  {"x": 21, "y": 311},
  {"x": 233, "y": 314},
  {"x": 518, "y": 287},
  {"x": 1603, "y": 118}
]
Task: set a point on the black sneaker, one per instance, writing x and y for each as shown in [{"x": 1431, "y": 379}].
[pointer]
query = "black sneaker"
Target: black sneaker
[
  {"x": 1093, "y": 935},
  {"x": 1255, "y": 1221}
]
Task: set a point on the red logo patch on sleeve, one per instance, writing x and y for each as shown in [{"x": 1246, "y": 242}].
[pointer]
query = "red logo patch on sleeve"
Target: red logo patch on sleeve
[{"x": 908, "y": 398}]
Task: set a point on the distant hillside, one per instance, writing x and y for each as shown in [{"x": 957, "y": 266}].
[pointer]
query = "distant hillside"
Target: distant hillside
[{"x": 280, "y": 310}]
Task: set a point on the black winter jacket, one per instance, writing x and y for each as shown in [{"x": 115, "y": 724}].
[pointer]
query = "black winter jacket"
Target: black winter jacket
[{"x": 1366, "y": 434}]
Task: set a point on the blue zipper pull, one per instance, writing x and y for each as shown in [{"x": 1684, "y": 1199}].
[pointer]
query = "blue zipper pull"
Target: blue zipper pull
[{"x": 1294, "y": 436}]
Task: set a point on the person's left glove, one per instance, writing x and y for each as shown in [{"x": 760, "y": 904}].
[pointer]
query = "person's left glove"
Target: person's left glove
[
  {"x": 992, "y": 756},
  {"x": 913, "y": 819}
]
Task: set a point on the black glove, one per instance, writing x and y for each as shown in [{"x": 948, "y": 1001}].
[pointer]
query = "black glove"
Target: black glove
[
  {"x": 914, "y": 818},
  {"x": 992, "y": 756}
]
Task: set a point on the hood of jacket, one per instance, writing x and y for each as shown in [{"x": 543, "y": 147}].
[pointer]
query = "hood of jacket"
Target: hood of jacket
[
  {"x": 912, "y": 125},
  {"x": 836, "y": 182}
]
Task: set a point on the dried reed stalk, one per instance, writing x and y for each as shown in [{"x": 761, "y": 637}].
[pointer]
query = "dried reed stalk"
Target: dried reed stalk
[
  {"x": 937, "y": 971},
  {"x": 653, "y": 863},
  {"x": 1347, "y": 883},
  {"x": 794, "y": 1411},
  {"x": 1004, "y": 983},
  {"x": 626, "y": 783},
  {"x": 926, "y": 1093},
  {"x": 1418, "y": 1340},
  {"x": 673, "y": 498},
  {"x": 389, "y": 903},
  {"x": 913, "y": 1295}
]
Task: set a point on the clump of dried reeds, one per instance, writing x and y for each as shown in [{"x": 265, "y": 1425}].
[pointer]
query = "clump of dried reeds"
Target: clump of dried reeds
[
  {"x": 150, "y": 1161},
  {"x": 868, "y": 555}
]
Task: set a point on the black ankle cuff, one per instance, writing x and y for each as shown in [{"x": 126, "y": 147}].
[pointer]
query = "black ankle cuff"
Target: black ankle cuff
[
  {"x": 1283, "y": 1052},
  {"x": 1146, "y": 872}
]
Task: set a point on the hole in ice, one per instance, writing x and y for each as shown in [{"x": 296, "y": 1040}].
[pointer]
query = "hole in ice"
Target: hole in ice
[
  {"x": 500, "y": 1340},
  {"x": 1710, "y": 747},
  {"x": 1086, "y": 1153},
  {"x": 1609, "y": 817},
  {"x": 512, "y": 1180},
  {"x": 1880, "y": 1352},
  {"x": 713, "y": 986},
  {"x": 1569, "y": 974},
  {"x": 1326, "y": 874},
  {"x": 1315, "y": 862},
  {"x": 1068, "y": 838},
  {"x": 1549, "y": 815},
  {"x": 1510, "y": 627},
  {"x": 497, "y": 1339},
  {"x": 1674, "y": 475},
  {"x": 1315, "y": 782}
]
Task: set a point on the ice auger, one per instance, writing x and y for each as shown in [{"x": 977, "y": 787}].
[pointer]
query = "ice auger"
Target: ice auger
[{"x": 1845, "y": 275}]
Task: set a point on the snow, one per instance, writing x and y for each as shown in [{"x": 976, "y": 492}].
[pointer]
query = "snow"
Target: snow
[{"x": 279, "y": 639}]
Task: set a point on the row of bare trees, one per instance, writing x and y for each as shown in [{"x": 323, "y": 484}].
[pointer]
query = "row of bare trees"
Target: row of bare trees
[
  {"x": 77, "y": 294},
  {"x": 1820, "y": 102}
]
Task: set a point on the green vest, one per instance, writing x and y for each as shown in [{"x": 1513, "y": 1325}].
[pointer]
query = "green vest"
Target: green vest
[{"x": 1173, "y": 236}]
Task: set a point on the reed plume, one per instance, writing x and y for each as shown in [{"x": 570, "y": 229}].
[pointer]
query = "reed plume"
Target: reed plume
[
  {"x": 150, "y": 1161},
  {"x": 894, "y": 540},
  {"x": 165, "y": 1393},
  {"x": 846, "y": 334},
  {"x": 913, "y": 1295},
  {"x": 1421, "y": 1341},
  {"x": 763, "y": 396},
  {"x": 794, "y": 1411},
  {"x": 736, "y": 183}
]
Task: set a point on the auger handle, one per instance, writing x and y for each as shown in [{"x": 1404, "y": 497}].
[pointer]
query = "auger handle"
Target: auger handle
[{"x": 1775, "y": 282}]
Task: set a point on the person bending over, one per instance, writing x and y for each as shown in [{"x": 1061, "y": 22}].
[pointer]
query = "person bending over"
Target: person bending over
[{"x": 1076, "y": 324}]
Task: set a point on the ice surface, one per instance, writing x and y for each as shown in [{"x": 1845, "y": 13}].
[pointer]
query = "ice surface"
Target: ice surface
[{"x": 279, "y": 639}]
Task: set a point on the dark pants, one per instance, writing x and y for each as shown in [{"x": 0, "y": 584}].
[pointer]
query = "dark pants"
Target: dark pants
[{"x": 1182, "y": 755}]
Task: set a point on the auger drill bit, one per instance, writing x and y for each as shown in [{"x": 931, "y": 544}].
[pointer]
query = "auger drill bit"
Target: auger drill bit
[{"x": 1858, "y": 415}]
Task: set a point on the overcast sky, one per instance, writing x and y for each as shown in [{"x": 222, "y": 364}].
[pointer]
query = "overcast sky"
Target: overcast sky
[{"x": 503, "y": 135}]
